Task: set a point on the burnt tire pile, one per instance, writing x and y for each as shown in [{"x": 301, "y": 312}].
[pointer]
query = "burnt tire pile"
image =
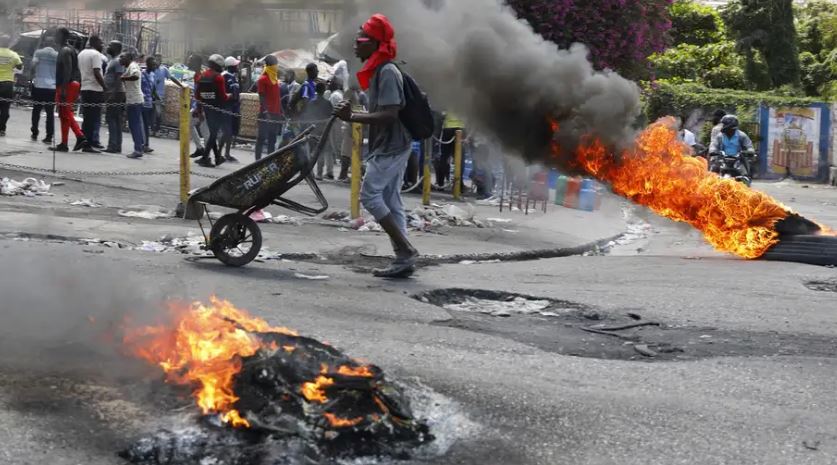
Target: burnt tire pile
[
  {"x": 809, "y": 249},
  {"x": 353, "y": 412}
]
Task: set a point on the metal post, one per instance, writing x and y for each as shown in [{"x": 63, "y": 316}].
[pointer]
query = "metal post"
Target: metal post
[
  {"x": 428, "y": 156},
  {"x": 457, "y": 166},
  {"x": 183, "y": 210},
  {"x": 357, "y": 147},
  {"x": 185, "y": 131}
]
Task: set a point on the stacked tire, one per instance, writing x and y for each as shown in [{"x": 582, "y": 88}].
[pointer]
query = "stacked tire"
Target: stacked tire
[{"x": 809, "y": 249}]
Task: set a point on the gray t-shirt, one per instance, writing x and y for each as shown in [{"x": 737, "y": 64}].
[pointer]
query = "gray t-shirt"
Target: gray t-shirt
[
  {"x": 112, "y": 76},
  {"x": 386, "y": 88}
]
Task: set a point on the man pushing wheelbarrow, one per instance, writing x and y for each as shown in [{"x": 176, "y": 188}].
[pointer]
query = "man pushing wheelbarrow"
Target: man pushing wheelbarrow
[{"x": 398, "y": 114}]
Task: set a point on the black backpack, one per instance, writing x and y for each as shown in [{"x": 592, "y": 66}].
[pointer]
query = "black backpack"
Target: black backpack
[{"x": 416, "y": 116}]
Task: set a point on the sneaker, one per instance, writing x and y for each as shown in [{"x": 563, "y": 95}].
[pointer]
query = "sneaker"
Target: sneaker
[
  {"x": 34, "y": 137},
  {"x": 114, "y": 151},
  {"x": 396, "y": 271},
  {"x": 98, "y": 146},
  {"x": 231, "y": 159},
  {"x": 2, "y": 133},
  {"x": 197, "y": 153},
  {"x": 79, "y": 144},
  {"x": 147, "y": 150},
  {"x": 135, "y": 155},
  {"x": 329, "y": 177},
  {"x": 47, "y": 140},
  {"x": 87, "y": 148},
  {"x": 205, "y": 162},
  {"x": 61, "y": 148},
  {"x": 219, "y": 162}
]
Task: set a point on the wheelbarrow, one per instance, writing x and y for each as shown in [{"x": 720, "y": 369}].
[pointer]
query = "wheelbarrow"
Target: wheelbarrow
[{"x": 235, "y": 239}]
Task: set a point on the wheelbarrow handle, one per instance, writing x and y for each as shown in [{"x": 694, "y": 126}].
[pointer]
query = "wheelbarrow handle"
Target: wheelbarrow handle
[{"x": 318, "y": 151}]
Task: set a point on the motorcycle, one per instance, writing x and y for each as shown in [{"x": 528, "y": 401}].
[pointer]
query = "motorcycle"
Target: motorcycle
[{"x": 737, "y": 167}]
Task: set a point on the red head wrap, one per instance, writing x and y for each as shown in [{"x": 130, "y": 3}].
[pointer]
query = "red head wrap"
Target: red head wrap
[{"x": 379, "y": 28}]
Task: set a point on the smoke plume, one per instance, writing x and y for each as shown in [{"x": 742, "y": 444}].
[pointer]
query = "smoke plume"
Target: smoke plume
[{"x": 476, "y": 58}]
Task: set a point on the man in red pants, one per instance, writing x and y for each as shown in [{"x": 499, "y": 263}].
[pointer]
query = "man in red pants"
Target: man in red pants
[{"x": 67, "y": 87}]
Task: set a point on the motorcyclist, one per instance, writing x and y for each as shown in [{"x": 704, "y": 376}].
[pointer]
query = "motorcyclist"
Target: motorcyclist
[{"x": 731, "y": 142}]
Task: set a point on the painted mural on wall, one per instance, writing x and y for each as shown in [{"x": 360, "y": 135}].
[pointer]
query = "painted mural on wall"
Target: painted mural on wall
[{"x": 793, "y": 136}]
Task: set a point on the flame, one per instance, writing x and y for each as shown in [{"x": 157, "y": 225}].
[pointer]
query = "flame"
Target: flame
[
  {"x": 315, "y": 391},
  {"x": 658, "y": 172},
  {"x": 203, "y": 347},
  {"x": 342, "y": 422},
  {"x": 358, "y": 372}
]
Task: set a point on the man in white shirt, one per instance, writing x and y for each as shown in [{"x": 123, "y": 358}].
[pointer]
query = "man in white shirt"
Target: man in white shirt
[
  {"x": 134, "y": 100},
  {"x": 92, "y": 89}
]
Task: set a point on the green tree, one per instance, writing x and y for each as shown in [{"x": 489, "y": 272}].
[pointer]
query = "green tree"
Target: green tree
[
  {"x": 765, "y": 30},
  {"x": 695, "y": 24},
  {"x": 816, "y": 22},
  {"x": 714, "y": 65}
]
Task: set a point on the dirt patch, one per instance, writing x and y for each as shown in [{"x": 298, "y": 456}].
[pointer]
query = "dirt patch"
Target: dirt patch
[{"x": 575, "y": 329}]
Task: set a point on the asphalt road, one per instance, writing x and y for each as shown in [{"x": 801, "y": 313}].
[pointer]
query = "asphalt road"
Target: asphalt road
[{"x": 751, "y": 380}]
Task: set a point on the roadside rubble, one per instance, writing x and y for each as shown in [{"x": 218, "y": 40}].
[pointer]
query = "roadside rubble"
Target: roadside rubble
[
  {"x": 264, "y": 216},
  {"x": 429, "y": 218},
  {"x": 86, "y": 203},
  {"x": 148, "y": 212},
  {"x": 29, "y": 187}
]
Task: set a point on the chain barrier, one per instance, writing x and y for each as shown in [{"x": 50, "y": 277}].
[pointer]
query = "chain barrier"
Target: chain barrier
[
  {"x": 13, "y": 166},
  {"x": 452, "y": 140},
  {"x": 19, "y": 101}
]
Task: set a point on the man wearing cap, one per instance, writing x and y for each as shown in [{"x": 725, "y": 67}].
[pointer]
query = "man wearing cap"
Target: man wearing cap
[
  {"x": 270, "y": 106},
  {"x": 211, "y": 93},
  {"x": 390, "y": 144},
  {"x": 232, "y": 122},
  {"x": 9, "y": 61}
]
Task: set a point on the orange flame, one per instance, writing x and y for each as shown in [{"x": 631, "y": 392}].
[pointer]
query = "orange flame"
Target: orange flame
[
  {"x": 658, "y": 172},
  {"x": 315, "y": 391},
  {"x": 204, "y": 348},
  {"x": 337, "y": 422}
]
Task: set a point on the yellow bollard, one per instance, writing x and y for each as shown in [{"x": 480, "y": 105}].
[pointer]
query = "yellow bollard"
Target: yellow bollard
[
  {"x": 185, "y": 131},
  {"x": 428, "y": 156},
  {"x": 357, "y": 147},
  {"x": 457, "y": 166}
]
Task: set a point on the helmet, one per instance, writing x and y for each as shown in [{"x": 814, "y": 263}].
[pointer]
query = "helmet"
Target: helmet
[
  {"x": 730, "y": 122},
  {"x": 231, "y": 61},
  {"x": 217, "y": 59}
]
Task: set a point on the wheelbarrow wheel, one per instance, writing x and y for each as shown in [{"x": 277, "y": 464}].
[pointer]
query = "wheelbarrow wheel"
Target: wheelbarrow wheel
[{"x": 235, "y": 239}]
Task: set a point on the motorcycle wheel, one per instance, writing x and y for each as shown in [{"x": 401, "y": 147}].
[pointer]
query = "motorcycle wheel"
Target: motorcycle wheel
[{"x": 808, "y": 249}]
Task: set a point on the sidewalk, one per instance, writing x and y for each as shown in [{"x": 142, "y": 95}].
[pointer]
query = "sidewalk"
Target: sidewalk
[{"x": 112, "y": 180}]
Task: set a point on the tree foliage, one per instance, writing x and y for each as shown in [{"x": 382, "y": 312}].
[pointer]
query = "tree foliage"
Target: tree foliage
[
  {"x": 765, "y": 29},
  {"x": 715, "y": 65},
  {"x": 620, "y": 34},
  {"x": 695, "y": 24}
]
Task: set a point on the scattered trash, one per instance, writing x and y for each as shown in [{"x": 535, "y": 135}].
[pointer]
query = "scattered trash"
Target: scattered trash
[
  {"x": 372, "y": 226},
  {"x": 339, "y": 215},
  {"x": 643, "y": 350},
  {"x": 29, "y": 187},
  {"x": 436, "y": 216},
  {"x": 263, "y": 216},
  {"x": 86, "y": 203},
  {"x": 311, "y": 277},
  {"x": 149, "y": 212}
]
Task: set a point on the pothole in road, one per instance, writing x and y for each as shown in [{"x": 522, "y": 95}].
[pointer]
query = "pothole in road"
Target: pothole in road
[
  {"x": 822, "y": 286},
  {"x": 576, "y": 329}
]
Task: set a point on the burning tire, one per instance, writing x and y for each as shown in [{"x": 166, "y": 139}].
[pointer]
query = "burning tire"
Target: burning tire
[
  {"x": 809, "y": 249},
  {"x": 235, "y": 239}
]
